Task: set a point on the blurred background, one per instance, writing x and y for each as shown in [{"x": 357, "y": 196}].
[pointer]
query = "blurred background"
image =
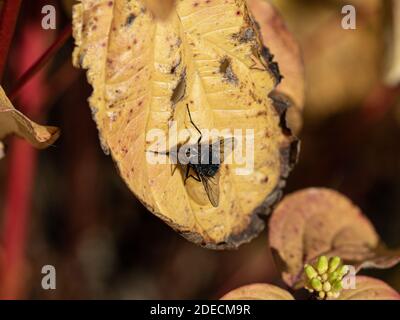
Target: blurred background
[{"x": 76, "y": 213}]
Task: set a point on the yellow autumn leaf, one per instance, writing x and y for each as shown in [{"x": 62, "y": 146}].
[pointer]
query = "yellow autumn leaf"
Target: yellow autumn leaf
[
  {"x": 287, "y": 52},
  {"x": 13, "y": 121},
  {"x": 160, "y": 8},
  {"x": 205, "y": 62}
]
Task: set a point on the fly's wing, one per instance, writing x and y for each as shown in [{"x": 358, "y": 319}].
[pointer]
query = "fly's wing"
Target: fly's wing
[
  {"x": 173, "y": 155},
  {"x": 219, "y": 151},
  {"x": 222, "y": 149},
  {"x": 211, "y": 185},
  {"x": 227, "y": 147}
]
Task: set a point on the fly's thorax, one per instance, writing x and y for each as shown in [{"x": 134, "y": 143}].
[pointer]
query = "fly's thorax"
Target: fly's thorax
[
  {"x": 199, "y": 154},
  {"x": 208, "y": 170}
]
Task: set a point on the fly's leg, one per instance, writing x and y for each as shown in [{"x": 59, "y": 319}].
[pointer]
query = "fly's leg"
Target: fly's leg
[
  {"x": 197, "y": 178},
  {"x": 173, "y": 168},
  {"x": 194, "y": 125},
  {"x": 189, "y": 175}
]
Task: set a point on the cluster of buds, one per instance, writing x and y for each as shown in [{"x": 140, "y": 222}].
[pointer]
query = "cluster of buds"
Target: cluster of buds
[{"x": 325, "y": 277}]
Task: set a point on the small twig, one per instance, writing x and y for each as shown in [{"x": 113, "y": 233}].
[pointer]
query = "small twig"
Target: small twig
[
  {"x": 46, "y": 56},
  {"x": 8, "y": 20}
]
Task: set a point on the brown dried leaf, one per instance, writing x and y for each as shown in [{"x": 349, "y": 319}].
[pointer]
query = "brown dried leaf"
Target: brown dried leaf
[
  {"x": 287, "y": 53},
  {"x": 145, "y": 71},
  {"x": 369, "y": 289},
  {"x": 13, "y": 121},
  {"x": 258, "y": 291},
  {"x": 342, "y": 66},
  {"x": 312, "y": 222}
]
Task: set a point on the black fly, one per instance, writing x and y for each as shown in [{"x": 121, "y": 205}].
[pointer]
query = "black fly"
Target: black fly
[{"x": 203, "y": 161}]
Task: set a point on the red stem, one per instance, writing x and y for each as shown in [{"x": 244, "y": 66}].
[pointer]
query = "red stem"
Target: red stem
[
  {"x": 46, "y": 56},
  {"x": 21, "y": 164},
  {"x": 8, "y": 20}
]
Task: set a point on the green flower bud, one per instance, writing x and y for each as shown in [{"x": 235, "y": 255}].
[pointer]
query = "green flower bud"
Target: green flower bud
[
  {"x": 322, "y": 264},
  {"x": 343, "y": 271},
  {"x": 310, "y": 271},
  {"x": 333, "y": 276},
  {"x": 324, "y": 278},
  {"x": 316, "y": 284},
  {"x": 337, "y": 286},
  {"x": 327, "y": 287},
  {"x": 334, "y": 263}
]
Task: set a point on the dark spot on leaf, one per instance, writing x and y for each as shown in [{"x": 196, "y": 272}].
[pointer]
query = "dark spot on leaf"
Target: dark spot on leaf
[
  {"x": 131, "y": 18},
  {"x": 226, "y": 69},
  {"x": 245, "y": 35},
  {"x": 175, "y": 66},
  {"x": 180, "y": 89}
]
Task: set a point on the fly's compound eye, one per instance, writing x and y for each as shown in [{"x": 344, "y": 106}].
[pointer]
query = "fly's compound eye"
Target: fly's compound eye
[{"x": 188, "y": 154}]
